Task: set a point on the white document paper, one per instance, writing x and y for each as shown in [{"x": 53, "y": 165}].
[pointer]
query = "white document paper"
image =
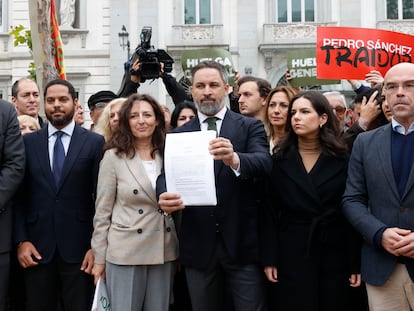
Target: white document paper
[{"x": 189, "y": 167}]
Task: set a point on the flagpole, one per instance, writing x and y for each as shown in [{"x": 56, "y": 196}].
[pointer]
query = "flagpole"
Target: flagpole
[{"x": 39, "y": 12}]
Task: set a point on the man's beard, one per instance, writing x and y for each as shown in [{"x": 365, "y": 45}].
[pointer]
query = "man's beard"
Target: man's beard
[
  {"x": 212, "y": 109},
  {"x": 65, "y": 120}
]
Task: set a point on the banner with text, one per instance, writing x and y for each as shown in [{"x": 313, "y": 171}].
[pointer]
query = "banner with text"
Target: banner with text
[
  {"x": 302, "y": 68},
  {"x": 190, "y": 58},
  {"x": 350, "y": 53}
]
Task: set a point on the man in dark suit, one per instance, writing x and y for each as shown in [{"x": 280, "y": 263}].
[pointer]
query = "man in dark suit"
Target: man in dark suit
[
  {"x": 221, "y": 242},
  {"x": 11, "y": 174},
  {"x": 54, "y": 212},
  {"x": 26, "y": 98},
  {"x": 379, "y": 197}
]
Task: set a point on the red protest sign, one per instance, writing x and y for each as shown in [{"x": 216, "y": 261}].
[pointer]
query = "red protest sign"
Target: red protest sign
[{"x": 350, "y": 53}]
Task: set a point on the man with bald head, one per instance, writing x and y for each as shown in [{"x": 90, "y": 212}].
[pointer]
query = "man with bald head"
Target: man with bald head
[{"x": 379, "y": 197}]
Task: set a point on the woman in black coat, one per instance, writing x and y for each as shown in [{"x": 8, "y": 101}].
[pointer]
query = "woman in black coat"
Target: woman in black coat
[{"x": 309, "y": 248}]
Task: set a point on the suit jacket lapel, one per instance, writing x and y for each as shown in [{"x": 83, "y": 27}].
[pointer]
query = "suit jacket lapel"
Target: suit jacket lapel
[
  {"x": 292, "y": 166},
  {"x": 383, "y": 141},
  {"x": 75, "y": 147},
  {"x": 139, "y": 174},
  {"x": 327, "y": 168},
  {"x": 410, "y": 182},
  {"x": 227, "y": 130},
  {"x": 42, "y": 154}
]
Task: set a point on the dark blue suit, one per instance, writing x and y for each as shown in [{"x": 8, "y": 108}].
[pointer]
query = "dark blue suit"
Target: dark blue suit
[
  {"x": 233, "y": 222},
  {"x": 58, "y": 219}
]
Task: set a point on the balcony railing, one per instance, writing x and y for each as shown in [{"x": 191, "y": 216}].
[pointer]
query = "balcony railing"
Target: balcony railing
[
  {"x": 403, "y": 26},
  {"x": 291, "y": 33},
  {"x": 197, "y": 35}
]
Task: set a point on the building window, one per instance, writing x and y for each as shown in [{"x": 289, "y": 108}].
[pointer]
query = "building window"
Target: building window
[
  {"x": 3, "y": 12},
  {"x": 295, "y": 11},
  {"x": 400, "y": 9},
  {"x": 197, "y": 12}
]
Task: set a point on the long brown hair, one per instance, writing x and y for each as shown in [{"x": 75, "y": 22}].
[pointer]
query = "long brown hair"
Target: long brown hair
[
  {"x": 123, "y": 139},
  {"x": 330, "y": 133}
]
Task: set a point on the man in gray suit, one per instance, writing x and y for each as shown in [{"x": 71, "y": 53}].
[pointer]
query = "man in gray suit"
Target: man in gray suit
[
  {"x": 12, "y": 162},
  {"x": 379, "y": 197}
]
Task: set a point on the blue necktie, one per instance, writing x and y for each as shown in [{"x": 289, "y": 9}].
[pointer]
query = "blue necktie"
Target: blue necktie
[{"x": 58, "y": 157}]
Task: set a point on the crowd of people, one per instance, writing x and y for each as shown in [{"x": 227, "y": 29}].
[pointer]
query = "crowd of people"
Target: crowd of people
[{"x": 314, "y": 197}]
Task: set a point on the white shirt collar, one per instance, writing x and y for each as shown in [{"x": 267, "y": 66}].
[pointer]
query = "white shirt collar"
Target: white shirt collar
[
  {"x": 220, "y": 115},
  {"x": 68, "y": 129}
]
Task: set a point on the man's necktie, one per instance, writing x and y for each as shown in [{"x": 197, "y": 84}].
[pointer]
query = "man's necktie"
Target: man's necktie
[
  {"x": 58, "y": 157},
  {"x": 212, "y": 125}
]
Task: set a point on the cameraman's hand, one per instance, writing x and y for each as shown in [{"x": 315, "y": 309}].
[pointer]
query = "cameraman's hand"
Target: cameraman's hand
[
  {"x": 161, "y": 69},
  {"x": 135, "y": 78}
]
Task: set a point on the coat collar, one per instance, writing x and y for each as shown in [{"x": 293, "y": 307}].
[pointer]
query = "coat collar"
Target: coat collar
[
  {"x": 137, "y": 170},
  {"x": 327, "y": 168}
]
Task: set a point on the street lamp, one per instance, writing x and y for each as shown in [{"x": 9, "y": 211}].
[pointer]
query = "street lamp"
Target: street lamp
[{"x": 124, "y": 40}]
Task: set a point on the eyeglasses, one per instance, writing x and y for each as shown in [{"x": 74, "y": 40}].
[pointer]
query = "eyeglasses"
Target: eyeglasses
[
  {"x": 392, "y": 88},
  {"x": 339, "y": 109}
]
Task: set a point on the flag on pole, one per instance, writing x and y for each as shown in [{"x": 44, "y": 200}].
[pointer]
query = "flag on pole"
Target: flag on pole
[{"x": 57, "y": 41}]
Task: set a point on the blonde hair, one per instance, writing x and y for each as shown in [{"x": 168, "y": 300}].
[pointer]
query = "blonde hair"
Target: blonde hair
[
  {"x": 102, "y": 126},
  {"x": 26, "y": 118}
]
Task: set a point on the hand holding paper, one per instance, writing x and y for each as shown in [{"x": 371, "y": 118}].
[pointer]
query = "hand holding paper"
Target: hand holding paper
[
  {"x": 189, "y": 167},
  {"x": 170, "y": 202},
  {"x": 222, "y": 149}
]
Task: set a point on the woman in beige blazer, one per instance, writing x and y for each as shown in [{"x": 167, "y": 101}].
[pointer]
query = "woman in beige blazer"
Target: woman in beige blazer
[{"x": 134, "y": 242}]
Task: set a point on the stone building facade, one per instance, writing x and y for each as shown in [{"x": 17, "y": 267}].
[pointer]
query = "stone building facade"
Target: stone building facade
[{"x": 257, "y": 33}]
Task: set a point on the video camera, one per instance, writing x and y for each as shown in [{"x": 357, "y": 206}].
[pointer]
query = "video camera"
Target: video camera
[{"x": 150, "y": 58}]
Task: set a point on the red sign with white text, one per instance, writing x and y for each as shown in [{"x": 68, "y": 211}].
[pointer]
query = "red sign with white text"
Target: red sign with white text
[{"x": 350, "y": 53}]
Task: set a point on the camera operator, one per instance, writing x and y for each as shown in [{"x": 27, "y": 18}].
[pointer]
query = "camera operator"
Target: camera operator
[
  {"x": 147, "y": 62},
  {"x": 132, "y": 79}
]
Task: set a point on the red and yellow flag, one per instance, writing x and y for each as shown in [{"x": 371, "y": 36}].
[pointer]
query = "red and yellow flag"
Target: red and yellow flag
[{"x": 57, "y": 41}]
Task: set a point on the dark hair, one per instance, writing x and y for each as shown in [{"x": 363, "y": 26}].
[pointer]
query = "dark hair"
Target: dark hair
[
  {"x": 177, "y": 110},
  {"x": 367, "y": 94},
  {"x": 329, "y": 134},
  {"x": 213, "y": 65},
  {"x": 381, "y": 119},
  {"x": 66, "y": 83},
  {"x": 16, "y": 84},
  {"x": 289, "y": 91},
  {"x": 263, "y": 86},
  {"x": 123, "y": 139}
]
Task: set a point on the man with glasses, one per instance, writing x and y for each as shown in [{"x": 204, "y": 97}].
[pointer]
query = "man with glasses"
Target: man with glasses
[
  {"x": 97, "y": 103},
  {"x": 379, "y": 197},
  {"x": 338, "y": 104}
]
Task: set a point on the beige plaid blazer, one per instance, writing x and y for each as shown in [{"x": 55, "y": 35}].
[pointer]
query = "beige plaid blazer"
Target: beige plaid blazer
[{"x": 128, "y": 227}]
